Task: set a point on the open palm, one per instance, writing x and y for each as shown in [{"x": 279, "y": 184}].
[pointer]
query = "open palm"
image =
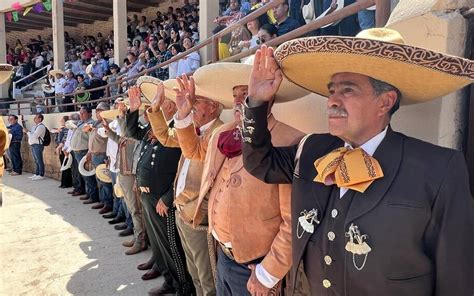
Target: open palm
[
  {"x": 266, "y": 76},
  {"x": 134, "y": 96},
  {"x": 159, "y": 98},
  {"x": 185, "y": 96}
]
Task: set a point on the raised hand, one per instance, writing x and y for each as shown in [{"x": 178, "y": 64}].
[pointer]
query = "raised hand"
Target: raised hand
[
  {"x": 265, "y": 78},
  {"x": 134, "y": 96},
  {"x": 169, "y": 109},
  {"x": 185, "y": 96},
  {"x": 159, "y": 98}
]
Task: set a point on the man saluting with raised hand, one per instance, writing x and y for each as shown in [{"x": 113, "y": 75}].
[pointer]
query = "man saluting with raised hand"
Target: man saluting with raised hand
[{"x": 374, "y": 212}]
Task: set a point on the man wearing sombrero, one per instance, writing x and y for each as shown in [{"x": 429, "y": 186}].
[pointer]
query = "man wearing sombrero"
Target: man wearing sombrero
[
  {"x": 374, "y": 212},
  {"x": 250, "y": 220},
  {"x": 206, "y": 114}
]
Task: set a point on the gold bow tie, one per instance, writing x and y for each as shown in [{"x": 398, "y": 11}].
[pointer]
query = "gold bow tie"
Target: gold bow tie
[{"x": 350, "y": 168}]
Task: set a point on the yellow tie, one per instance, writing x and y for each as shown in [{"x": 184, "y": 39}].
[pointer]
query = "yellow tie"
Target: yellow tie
[{"x": 350, "y": 168}]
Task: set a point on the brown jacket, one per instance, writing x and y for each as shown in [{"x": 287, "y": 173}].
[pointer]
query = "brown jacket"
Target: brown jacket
[
  {"x": 186, "y": 201},
  {"x": 260, "y": 221}
]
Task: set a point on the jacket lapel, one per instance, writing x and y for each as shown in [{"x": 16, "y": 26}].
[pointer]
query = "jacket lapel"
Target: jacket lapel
[{"x": 389, "y": 155}]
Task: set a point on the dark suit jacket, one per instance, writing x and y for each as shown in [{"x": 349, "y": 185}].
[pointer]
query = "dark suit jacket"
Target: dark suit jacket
[
  {"x": 419, "y": 216},
  {"x": 157, "y": 165}
]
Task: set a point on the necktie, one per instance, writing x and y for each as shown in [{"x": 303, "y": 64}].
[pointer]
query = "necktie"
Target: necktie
[
  {"x": 230, "y": 143},
  {"x": 350, "y": 168}
]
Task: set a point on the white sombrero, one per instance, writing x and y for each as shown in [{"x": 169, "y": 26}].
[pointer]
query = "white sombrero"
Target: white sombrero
[
  {"x": 103, "y": 174},
  {"x": 70, "y": 124},
  {"x": 231, "y": 75},
  {"x": 6, "y": 71},
  {"x": 420, "y": 74},
  {"x": 57, "y": 72},
  {"x": 90, "y": 171},
  {"x": 67, "y": 163},
  {"x": 147, "y": 85},
  {"x": 47, "y": 88}
]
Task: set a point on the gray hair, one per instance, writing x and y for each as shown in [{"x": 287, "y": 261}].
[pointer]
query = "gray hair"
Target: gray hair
[
  {"x": 381, "y": 87},
  {"x": 74, "y": 116}
]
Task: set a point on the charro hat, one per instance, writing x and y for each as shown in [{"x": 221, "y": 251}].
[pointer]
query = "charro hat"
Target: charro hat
[
  {"x": 67, "y": 163},
  {"x": 420, "y": 74},
  {"x": 230, "y": 75},
  {"x": 47, "y": 88},
  {"x": 86, "y": 172},
  {"x": 6, "y": 71},
  {"x": 102, "y": 106},
  {"x": 57, "y": 72},
  {"x": 103, "y": 174},
  {"x": 147, "y": 85}
]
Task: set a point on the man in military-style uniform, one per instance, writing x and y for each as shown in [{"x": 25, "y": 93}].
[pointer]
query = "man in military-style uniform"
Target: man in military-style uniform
[{"x": 374, "y": 212}]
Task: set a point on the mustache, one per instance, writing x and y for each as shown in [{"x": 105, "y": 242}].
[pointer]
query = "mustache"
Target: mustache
[{"x": 336, "y": 111}]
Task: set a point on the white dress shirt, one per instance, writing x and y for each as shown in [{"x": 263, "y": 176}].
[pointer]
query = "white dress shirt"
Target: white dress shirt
[
  {"x": 112, "y": 147},
  {"x": 67, "y": 143},
  {"x": 369, "y": 147},
  {"x": 184, "y": 169},
  {"x": 37, "y": 132}
]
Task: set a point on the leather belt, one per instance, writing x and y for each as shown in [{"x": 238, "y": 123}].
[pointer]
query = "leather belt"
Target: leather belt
[
  {"x": 227, "y": 251},
  {"x": 144, "y": 189}
]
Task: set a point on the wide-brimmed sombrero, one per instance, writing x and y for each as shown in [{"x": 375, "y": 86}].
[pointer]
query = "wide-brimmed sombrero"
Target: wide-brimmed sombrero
[
  {"x": 57, "y": 72},
  {"x": 231, "y": 75},
  {"x": 6, "y": 71},
  {"x": 85, "y": 168},
  {"x": 111, "y": 114},
  {"x": 103, "y": 174},
  {"x": 420, "y": 74},
  {"x": 147, "y": 85},
  {"x": 84, "y": 97},
  {"x": 118, "y": 191},
  {"x": 47, "y": 88},
  {"x": 67, "y": 163},
  {"x": 70, "y": 124}
]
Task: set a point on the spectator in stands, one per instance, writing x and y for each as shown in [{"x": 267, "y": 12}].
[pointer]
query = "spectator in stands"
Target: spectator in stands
[
  {"x": 76, "y": 65},
  {"x": 254, "y": 26},
  {"x": 16, "y": 132},
  {"x": 174, "y": 37},
  {"x": 175, "y": 49},
  {"x": 266, "y": 33},
  {"x": 189, "y": 63},
  {"x": 150, "y": 61},
  {"x": 134, "y": 66},
  {"x": 102, "y": 62},
  {"x": 96, "y": 70},
  {"x": 18, "y": 45},
  {"x": 69, "y": 86},
  {"x": 162, "y": 55},
  {"x": 112, "y": 78},
  {"x": 59, "y": 82},
  {"x": 35, "y": 139},
  {"x": 366, "y": 18},
  {"x": 60, "y": 140},
  {"x": 38, "y": 60},
  {"x": 296, "y": 11},
  {"x": 285, "y": 23}
]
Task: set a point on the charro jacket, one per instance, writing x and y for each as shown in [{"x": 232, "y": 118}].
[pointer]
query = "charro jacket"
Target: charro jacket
[
  {"x": 186, "y": 201},
  {"x": 259, "y": 219},
  {"x": 418, "y": 218}
]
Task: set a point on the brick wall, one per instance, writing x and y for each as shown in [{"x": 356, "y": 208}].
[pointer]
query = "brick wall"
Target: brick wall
[{"x": 88, "y": 29}]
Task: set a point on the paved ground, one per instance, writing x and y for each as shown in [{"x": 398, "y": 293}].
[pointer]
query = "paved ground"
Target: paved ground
[{"x": 52, "y": 244}]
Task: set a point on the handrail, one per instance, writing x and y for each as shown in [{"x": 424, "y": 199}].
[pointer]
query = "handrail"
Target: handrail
[
  {"x": 260, "y": 11},
  {"x": 316, "y": 24},
  {"x": 28, "y": 76}
]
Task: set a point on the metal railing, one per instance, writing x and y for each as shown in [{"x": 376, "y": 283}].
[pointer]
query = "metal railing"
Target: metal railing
[
  {"x": 29, "y": 84},
  {"x": 213, "y": 40}
]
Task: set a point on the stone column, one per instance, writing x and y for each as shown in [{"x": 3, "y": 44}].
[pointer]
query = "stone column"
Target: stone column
[
  {"x": 120, "y": 30},
  {"x": 58, "y": 34},
  {"x": 3, "y": 53},
  {"x": 208, "y": 11}
]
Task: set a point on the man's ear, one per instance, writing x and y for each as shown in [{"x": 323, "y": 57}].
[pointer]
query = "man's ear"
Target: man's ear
[{"x": 387, "y": 100}]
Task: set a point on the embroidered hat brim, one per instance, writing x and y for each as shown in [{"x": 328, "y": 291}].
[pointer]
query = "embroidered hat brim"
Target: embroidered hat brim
[
  {"x": 420, "y": 74},
  {"x": 220, "y": 79},
  {"x": 148, "y": 84},
  {"x": 103, "y": 174},
  {"x": 6, "y": 71}
]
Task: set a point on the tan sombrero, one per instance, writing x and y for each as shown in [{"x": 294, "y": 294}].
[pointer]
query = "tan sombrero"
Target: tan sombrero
[
  {"x": 147, "y": 85},
  {"x": 420, "y": 74},
  {"x": 111, "y": 114},
  {"x": 231, "y": 75},
  {"x": 103, "y": 174},
  {"x": 47, "y": 88},
  {"x": 6, "y": 71},
  {"x": 56, "y": 72},
  {"x": 118, "y": 191},
  {"x": 85, "y": 167}
]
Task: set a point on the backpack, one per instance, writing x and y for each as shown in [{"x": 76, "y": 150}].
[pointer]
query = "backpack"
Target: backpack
[{"x": 46, "y": 140}]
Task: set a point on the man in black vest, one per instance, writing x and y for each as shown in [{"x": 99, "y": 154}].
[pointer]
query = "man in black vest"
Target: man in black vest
[
  {"x": 374, "y": 212},
  {"x": 156, "y": 171}
]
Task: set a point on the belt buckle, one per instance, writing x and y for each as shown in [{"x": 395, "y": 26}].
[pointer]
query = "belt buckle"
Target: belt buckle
[{"x": 227, "y": 252}]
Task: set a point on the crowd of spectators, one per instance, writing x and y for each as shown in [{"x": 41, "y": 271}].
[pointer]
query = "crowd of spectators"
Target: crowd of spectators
[{"x": 90, "y": 61}]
